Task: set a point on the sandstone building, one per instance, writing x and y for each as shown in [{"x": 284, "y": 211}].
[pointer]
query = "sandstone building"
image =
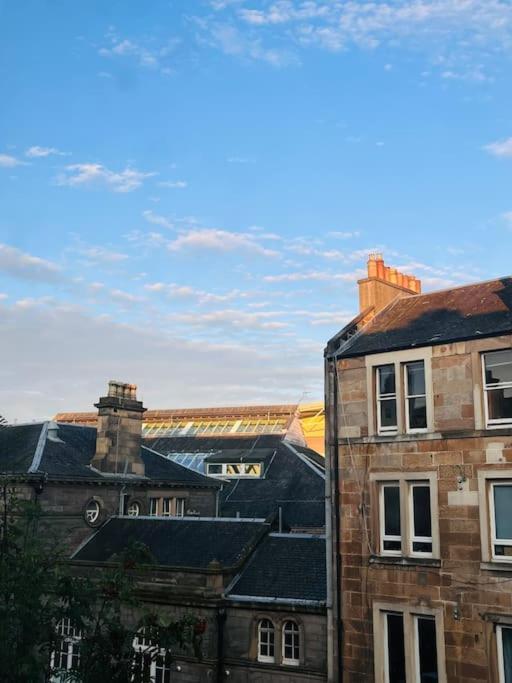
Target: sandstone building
[
  {"x": 419, "y": 477},
  {"x": 237, "y": 535}
]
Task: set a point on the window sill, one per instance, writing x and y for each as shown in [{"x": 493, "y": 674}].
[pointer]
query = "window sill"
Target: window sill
[
  {"x": 496, "y": 566},
  {"x": 405, "y": 561}
]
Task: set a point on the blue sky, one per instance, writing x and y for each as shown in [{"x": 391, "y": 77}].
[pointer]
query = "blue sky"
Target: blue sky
[{"x": 189, "y": 188}]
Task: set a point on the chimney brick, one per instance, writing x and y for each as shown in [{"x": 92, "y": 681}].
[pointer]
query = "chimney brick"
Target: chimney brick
[
  {"x": 383, "y": 284},
  {"x": 119, "y": 432}
]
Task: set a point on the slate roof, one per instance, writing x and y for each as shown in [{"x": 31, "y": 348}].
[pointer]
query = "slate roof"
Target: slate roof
[
  {"x": 293, "y": 476},
  {"x": 26, "y": 449},
  {"x": 173, "y": 542},
  {"x": 483, "y": 309},
  {"x": 284, "y": 567}
]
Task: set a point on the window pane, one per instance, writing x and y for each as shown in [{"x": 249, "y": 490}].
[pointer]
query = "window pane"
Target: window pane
[
  {"x": 392, "y": 511},
  {"x": 387, "y": 379},
  {"x": 498, "y": 367},
  {"x": 417, "y": 413},
  {"x": 427, "y": 650},
  {"x": 214, "y": 469},
  {"x": 415, "y": 378},
  {"x": 506, "y": 638},
  {"x": 396, "y": 650},
  {"x": 499, "y": 403},
  {"x": 388, "y": 413},
  {"x": 421, "y": 511},
  {"x": 503, "y": 511}
]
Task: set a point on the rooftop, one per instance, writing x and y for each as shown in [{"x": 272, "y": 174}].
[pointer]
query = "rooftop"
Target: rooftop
[
  {"x": 473, "y": 311},
  {"x": 66, "y": 453},
  {"x": 169, "y": 540},
  {"x": 284, "y": 567}
]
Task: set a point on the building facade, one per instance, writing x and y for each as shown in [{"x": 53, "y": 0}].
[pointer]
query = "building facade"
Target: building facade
[{"x": 419, "y": 453}]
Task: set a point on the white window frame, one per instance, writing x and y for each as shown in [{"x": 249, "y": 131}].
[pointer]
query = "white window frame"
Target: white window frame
[
  {"x": 499, "y": 646},
  {"x": 406, "y": 480},
  {"x": 166, "y": 505},
  {"x": 142, "y": 647},
  {"x": 408, "y": 396},
  {"x": 499, "y": 423},
  {"x": 383, "y": 535},
  {"x": 227, "y": 475},
  {"x": 270, "y": 633},
  {"x": 179, "y": 504},
  {"x": 385, "y": 397},
  {"x": 134, "y": 506},
  {"x": 71, "y": 637},
  {"x": 296, "y": 643},
  {"x": 411, "y": 485},
  {"x": 410, "y": 615},
  {"x": 492, "y": 519},
  {"x": 154, "y": 504},
  {"x": 398, "y": 359}
]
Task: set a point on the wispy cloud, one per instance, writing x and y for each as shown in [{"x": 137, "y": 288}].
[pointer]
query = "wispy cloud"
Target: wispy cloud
[
  {"x": 100, "y": 254},
  {"x": 173, "y": 184},
  {"x": 219, "y": 240},
  {"x": 465, "y": 33},
  {"x": 8, "y": 161},
  {"x": 37, "y": 152},
  {"x": 177, "y": 291},
  {"x": 230, "y": 318},
  {"x": 156, "y": 219},
  {"x": 146, "y": 55},
  {"x": 500, "y": 148},
  {"x": 314, "y": 275},
  {"x": 81, "y": 175},
  {"x": 24, "y": 266}
]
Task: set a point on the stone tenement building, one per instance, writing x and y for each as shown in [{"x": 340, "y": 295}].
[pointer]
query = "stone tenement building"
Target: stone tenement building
[
  {"x": 242, "y": 548},
  {"x": 419, "y": 459}
]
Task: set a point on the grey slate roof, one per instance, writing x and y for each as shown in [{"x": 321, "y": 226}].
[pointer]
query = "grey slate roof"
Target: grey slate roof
[
  {"x": 192, "y": 543},
  {"x": 480, "y": 310},
  {"x": 284, "y": 567},
  {"x": 25, "y": 449},
  {"x": 293, "y": 476}
]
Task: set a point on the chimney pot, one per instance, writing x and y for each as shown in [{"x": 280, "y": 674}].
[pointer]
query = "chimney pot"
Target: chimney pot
[
  {"x": 381, "y": 268},
  {"x": 372, "y": 266},
  {"x": 393, "y": 276}
]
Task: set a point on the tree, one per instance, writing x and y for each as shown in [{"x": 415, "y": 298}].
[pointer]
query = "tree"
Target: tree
[{"x": 58, "y": 626}]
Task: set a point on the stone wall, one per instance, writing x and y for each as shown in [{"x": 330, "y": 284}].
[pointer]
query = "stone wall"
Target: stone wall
[{"x": 470, "y": 593}]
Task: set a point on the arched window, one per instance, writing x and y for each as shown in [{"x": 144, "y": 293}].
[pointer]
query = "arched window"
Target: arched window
[
  {"x": 266, "y": 641},
  {"x": 133, "y": 509},
  {"x": 291, "y": 643}
]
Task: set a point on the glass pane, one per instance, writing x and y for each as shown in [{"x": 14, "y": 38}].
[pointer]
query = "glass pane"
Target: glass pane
[
  {"x": 498, "y": 366},
  {"x": 499, "y": 403},
  {"x": 396, "y": 650},
  {"x": 427, "y": 650},
  {"x": 415, "y": 378},
  {"x": 388, "y": 413},
  {"x": 392, "y": 545},
  {"x": 214, "y": 469},
  {"x": 506, "y": 638},
  {"x": 503, "y": 511},
  {"x": 391, "y": 511},
  {"x": 417, "y": 413},
  {"x": 421, "y": 511},
  {"x": 387, "y": 379},
  {"x": 422, "y": 547}
]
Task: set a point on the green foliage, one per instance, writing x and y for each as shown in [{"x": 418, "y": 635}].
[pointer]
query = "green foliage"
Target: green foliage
[{"x": 37, "y": 591}]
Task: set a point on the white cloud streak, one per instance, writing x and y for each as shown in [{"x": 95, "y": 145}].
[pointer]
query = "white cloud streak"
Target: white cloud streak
[
  {"x": 82, "y": 175},
  {"x": 8, "y": 161},
  {"x": 37, "y": 152},
  {"x": 500, "y": 148},
  {"x": 24, "y": 266}
]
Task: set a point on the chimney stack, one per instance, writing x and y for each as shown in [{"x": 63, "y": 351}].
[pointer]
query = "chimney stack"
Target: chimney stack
[
  {"x": 383, "y": 284},
  {"x": 119, "y": 434}
]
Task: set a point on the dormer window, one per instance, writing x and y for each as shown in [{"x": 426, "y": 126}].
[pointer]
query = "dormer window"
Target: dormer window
[{"x": 234, "y": 470}]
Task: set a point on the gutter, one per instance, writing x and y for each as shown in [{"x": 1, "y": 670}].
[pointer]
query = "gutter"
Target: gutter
[{"x": 332, "y": 524}]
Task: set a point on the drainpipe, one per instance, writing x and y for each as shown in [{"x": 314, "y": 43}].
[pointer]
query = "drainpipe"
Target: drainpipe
[
  {"x": 221, "y": 620},
  {"x": 332, "y": 524}
]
